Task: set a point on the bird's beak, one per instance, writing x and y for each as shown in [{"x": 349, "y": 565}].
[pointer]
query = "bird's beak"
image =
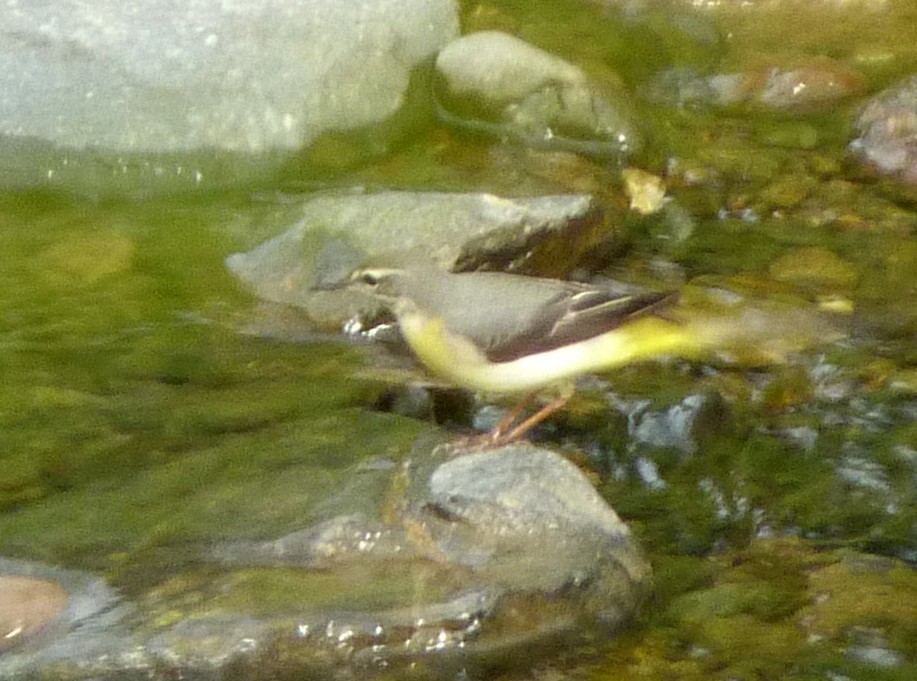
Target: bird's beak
[{"x": 329, "y": 285}]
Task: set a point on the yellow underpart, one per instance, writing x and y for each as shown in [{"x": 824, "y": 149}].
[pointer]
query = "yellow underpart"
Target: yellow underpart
[{"x": 459, "y": 361}]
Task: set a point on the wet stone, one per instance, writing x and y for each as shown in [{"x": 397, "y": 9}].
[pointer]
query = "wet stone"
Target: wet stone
[
  {"x": 53, "y": 619},
  {"x": 27, "y": 605},
  {"x": 510, "y": 546},
  {"x": 814, "y": 86},
  {"x": 184, "y": 96},
  {"x": 495, "y": 83},
  {"x": 887, "y": 127},
  {"x": 682, "y": 427},
  {"x": 337, "y": 233},
  {"x": 454, "y": 556}
]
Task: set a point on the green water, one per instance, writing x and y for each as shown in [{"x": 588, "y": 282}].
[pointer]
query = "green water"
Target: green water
[
  {"x": 137, "y": 418},
  {"x": 134, "y": 412}
]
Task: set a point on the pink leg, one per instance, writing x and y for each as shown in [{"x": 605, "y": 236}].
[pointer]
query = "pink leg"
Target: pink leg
[
  {"x": 504, "y": 424},
  {"x": 529, "y": 423}
]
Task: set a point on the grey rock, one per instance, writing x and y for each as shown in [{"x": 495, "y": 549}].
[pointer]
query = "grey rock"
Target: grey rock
[
  {"x": 183, "y": 94},
  {"x": 465, "y": 555},
  {"x": 338, "y": 232},
  {"x": 496, "y": 83},
  {"x": 682, "y": 427},
  {"x": 857, "y": 469},
  {"x": 525, "y": 519},
  {"x": 884, "y": 658},
  {"x": 493, "y": 526},
  {"x": 816, "y": 86},
  {"x": 887, "y": 125},
  {"x": 521, "y": 489}
]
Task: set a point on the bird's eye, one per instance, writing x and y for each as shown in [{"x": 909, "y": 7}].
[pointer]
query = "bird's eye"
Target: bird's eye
[{"x": 369, "y": 279}]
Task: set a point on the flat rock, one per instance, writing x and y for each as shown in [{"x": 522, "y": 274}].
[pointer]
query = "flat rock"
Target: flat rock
[
  {"x": 339, "y": 232},
  {"x": 451, "y": 556}
]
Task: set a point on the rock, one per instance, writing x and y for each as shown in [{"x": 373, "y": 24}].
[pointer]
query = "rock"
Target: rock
[
  {"x": 458, "y": 231},
  {"x": 852, "y": 589},
  {"x": 887, "y": 125},
  {"x": 470, "y": 551},
  {"x": 496, "y": 83},
  {"x": 683, "y": 427},
  {"x": 27, "y": 604},
  {"x": 447, "y": 559},
  {"x": 150, "y": 95},
  {"x": 817, "y": 85},
  {"x": 65, "y": 618},
  {"x": 813, "y": 86}
]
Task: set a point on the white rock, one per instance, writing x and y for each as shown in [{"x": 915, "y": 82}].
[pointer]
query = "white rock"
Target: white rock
[{"x": 174, "y": 75}]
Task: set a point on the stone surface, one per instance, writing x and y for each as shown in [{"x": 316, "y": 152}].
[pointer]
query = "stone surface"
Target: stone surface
[
  {"x": 27, "y": 604},
  {"x": 817, "y": 85},
  {"x": 887, "y": 125},
  {"x": 484, "y": 532},
  {"x": 469, "y": 555},
  {"x": 337, "y": 233},
  {"x": 67, "y": 618},
  {"x": 494, "y": 82},
  {"x": 176, "y": 93}
]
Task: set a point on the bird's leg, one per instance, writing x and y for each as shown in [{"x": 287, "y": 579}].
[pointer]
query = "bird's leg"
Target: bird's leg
[
  {"x": 497, "y": 432},
  {"x": 530, "y": 422},
  {"x": 508, "y": 430}
]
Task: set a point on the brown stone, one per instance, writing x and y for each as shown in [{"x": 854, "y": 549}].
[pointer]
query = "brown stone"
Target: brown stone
[{"x": 27, "y": 604}]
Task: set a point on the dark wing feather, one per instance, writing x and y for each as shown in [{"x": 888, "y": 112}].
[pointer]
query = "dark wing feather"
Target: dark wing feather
[{"x": 578, "y": 313}]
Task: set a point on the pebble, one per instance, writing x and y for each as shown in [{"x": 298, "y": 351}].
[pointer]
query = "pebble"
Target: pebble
[{"x": 27, "y": 604}]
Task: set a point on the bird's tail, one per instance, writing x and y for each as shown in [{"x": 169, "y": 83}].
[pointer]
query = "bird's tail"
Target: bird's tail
[{"x": 752, "y": 336}]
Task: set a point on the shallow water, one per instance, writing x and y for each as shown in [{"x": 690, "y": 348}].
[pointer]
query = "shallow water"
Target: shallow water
[{"x": 136, "y": 417}]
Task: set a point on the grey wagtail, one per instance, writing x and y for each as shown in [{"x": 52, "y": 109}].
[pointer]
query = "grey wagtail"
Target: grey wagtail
[{"x": 503, "y": 333}]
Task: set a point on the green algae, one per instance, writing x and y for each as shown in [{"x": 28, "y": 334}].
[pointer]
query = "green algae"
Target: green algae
[
  {"x": 775, "y": 609},
  {"x": 815, "y": 268},
  {"x": 136, "y": 422},
  {"x": 133, "y": 413},
  {"x": 371, "y": 585}
]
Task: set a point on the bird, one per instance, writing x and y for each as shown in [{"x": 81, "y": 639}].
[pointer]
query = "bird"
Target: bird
[{"x": 501, "y": 333}]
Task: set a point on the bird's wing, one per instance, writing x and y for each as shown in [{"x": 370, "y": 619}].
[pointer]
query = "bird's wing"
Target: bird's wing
[{"x": 576, "y": 313}]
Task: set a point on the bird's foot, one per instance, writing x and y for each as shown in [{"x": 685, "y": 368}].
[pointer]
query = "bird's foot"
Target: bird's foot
[{"x": 508, "y": 430}]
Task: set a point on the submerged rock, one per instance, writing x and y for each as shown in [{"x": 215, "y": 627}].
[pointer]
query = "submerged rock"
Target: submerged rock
[
  {"x": 453, "y": 558},
  {"x": 816, "y": 268},
  {"x": 495, "y": 83},
  {"x": 465, "y": 553},
  {"x": 808, "y": 87},
  {"x": 683, "y": 427}
]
